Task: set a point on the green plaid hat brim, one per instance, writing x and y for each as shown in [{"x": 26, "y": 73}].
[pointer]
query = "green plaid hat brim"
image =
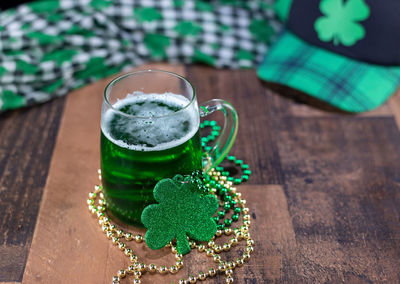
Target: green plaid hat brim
[{"x": 348, "y": 84}]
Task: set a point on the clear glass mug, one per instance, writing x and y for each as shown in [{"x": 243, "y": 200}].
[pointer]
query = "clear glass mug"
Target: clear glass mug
[{"x": 150, "y": 130}]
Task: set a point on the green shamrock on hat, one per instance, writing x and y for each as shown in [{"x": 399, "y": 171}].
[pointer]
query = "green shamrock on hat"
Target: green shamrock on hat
[{"x": 340, "y": 21}]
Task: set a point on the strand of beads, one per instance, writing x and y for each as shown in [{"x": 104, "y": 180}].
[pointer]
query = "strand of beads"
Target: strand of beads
[
  {"x": 244, "y": 167},
  {"x": 212, "y": 249},
  {"x": 206, "y": 183},
  {"x": 118, "y": 235},
  {"x": 215, "y": 128},
  {"x": 223, "y": 188}
]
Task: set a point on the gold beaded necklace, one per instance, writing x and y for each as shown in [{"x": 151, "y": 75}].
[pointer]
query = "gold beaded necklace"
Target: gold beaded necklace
[{"x": 211, "y": 249}]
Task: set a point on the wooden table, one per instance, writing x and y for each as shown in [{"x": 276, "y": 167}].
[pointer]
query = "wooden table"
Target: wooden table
[{"x": 324, "y": 194}]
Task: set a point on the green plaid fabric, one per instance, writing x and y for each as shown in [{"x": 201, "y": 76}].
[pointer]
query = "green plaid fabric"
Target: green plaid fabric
[
  {"x": 49, "y": 47},
  {"x": 348, "y": 84}
]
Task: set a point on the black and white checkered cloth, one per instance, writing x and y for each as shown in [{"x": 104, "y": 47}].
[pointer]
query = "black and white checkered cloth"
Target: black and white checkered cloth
[{"x": 49, "y": 47}]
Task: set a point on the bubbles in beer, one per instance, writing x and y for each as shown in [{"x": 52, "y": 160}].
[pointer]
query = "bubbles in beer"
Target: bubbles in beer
[{"x": 146, "y": 123}]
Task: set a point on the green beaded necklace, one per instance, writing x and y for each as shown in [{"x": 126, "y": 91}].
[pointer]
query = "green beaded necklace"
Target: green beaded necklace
[
  {"x": 243, "y": 167},
  {"x": 207, "y": 182}
]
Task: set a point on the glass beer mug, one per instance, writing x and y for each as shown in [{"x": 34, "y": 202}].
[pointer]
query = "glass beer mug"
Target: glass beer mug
[{"x": 150, "y": 130}]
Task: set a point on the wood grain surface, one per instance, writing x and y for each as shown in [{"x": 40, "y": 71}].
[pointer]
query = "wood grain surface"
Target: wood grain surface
[
  {"x": 325, "y": 189},
  {"x": 26, "y": 146}
]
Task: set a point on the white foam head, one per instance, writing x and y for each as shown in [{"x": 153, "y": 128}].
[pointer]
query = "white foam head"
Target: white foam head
[{"x": 151, "y": 124}]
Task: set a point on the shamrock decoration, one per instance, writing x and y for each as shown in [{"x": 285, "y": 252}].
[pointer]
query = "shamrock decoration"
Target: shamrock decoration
[
  {"x": 187, "y": 28},
  {"x": 340, "y": 21},
  {"x": 147, "y": 14},
  {"x": 11, "y": 100},
  {"x": 182, "y": 210},
  {"x": 156, "y": 44},
  {"x": 261, "y": 30}
]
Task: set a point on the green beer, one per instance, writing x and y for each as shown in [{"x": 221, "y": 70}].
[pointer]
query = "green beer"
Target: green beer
[{"x": 145, "y": 138}]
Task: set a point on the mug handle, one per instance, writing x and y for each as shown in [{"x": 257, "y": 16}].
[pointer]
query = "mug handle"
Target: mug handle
[{"x": 227, "y": 137}]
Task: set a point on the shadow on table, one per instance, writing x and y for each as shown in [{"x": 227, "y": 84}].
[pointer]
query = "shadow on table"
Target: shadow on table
[{"x": 302, "y": 98}]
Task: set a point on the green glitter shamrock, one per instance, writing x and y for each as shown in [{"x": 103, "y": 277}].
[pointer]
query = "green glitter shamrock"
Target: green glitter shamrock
[{"x": 182, "y": 210}]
